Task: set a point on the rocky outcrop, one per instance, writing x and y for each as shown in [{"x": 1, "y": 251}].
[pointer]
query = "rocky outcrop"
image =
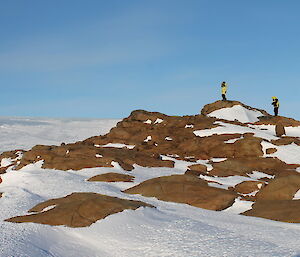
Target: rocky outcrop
[
  {"x": 209, "y": 108},
  {"x": 112, "y": 177},
  {"x": 281, "y": 210},
  {"x": 243, "y": 166},
  {"x": 283, "y": 188},
  {"x": 185, "y": 189},
  {"x": 77, "y": 210},
  {"x": 274, "y": 120}
]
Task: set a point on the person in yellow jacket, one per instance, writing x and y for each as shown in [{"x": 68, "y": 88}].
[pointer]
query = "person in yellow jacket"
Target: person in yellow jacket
[
  {"x": 275, "y": 103},
  {"x": 224, "y": 90}
]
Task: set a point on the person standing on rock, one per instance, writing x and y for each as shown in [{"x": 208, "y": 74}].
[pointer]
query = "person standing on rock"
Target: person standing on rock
[
  {"x": 224, "y": 90},
  {"x": 275, "y": 103}
]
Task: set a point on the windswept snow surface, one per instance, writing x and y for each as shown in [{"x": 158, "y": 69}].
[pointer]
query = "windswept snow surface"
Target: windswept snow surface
[
  {"x": 24, "y": 133},
  {"x": 236, "y": 112},
  {"x": 170, "y": 229}
]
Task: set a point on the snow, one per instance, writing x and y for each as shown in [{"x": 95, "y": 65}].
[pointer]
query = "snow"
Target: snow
[
  {"x": 189, "y": 126},
  {"x": 227, "y": 128},
  {"x": 289, "y": 154},
  {"x": 24, "y": 133},
  {"x": 148, "y": 121},
  {"x": 237, "y": 112},
  {"x": 116, "y": 145},
  {"x": 258, "y": 175},
  {"x": 168, "y": 138},
  {"x": 239, "y": 206},
  {"x": 170, "y": 229},
  {"x": 226, "y": 182},
  {"x": 148, "y": 138},
  {"x": 158, "y": 120}
]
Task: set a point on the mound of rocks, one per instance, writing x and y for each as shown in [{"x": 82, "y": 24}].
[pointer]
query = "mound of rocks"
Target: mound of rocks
[{"x": 77, "y": 210}]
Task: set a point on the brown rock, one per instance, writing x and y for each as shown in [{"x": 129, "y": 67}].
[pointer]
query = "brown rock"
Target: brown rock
[
  {"x": 279, "y": 130},
  {"x": 274, "y": 120},
  {"x": 112, "y": 177},
  {"x": 286, "y": 141},
  {"x": 283, "y": 188},
  {"x": 196, "y": 170},
  {"x": 242, "y": 166},
  {"x": 185, "y": 189},
  {"x": 271, "y": 150},
  {"x": 227, "y": 104},
  {"x": 247, "y": 187},
  {"x": 78, "y": 210},
  {"x": 282, "y": 210}
]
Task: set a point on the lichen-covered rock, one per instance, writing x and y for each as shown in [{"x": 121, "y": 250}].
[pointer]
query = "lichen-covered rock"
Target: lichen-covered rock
[{"x": 279, "y": 130}]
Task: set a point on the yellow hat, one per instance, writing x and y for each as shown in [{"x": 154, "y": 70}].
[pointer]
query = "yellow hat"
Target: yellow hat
[{"x": 274, "y": 97}]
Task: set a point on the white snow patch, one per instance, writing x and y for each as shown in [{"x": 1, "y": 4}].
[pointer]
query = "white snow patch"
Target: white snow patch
[
  {"x": 116, "y": 145},
  {"x": 239, "y": 206},
  {"x": 256, "y": 175},
  {"x": 99, "y": 156},
  {"x": 237, "y": 112},
  {"x": 6, "y": 162},
  {"x": 226, "y": 128},
  {"x": 149, "y": 138},
  {"x": 189, "y": 126},
  {"x": 168, "y": 138},
  {"x": 218, "y": 159},
  {"x": 227, "y": 182},
  {"x": 231, "y": 141},
  {"x": 289, "y": 154},
  {"x": 148, "y": 122},
  {"x": 158, "y": 120}
]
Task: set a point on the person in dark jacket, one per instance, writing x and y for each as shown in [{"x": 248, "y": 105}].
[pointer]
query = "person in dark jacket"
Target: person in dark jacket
[{"x": 275, "y": 103}]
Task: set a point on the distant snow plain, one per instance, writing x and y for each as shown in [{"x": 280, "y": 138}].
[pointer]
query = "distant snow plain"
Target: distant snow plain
[{"x": 170, "y": 229}]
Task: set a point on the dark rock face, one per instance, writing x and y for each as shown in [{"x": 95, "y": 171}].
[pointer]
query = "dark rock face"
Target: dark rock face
[
  {"x": 78, "y": 210},
  {"x": 185, "y": 189}
]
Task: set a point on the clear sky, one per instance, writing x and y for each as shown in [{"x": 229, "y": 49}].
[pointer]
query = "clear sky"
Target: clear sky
[{"x": 105, "y": 58}]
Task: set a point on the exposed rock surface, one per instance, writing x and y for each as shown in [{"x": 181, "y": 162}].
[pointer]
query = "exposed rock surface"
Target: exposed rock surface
[
  {"x": 279, "y": 130},
  {"x": 77, "y": 210},
  {"x": 274, "y": 120},
  {"x": 207, "y": 109},
  {"x": 112, "y": 177},
  {"x": 185, "y": 189},
  {"x": 280, "y": 210},
  {"x": 248, "y": 187}
]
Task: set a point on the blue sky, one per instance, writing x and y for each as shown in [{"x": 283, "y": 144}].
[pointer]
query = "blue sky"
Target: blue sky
[{"x": 103, "y": 59}]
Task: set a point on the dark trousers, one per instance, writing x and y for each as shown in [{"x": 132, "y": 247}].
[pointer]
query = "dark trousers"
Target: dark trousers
[
  {"x": 276, "y": 111},
  {"x": 224, "y": 97}
]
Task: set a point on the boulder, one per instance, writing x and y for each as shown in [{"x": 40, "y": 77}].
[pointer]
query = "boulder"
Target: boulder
[
  {"x": 185, "y": 189},
  {"x": 196, "y": 170},
  {"x": 112, "y": 177},
  {"x": 271, "y": 150},
  {"x": 77, "y": 210},
  {"x": 280, "y": 210},
  {"x": 282, "y": 188},
  {"x": 279, "y": 130},
  {"x": 248, "y": 187}
]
